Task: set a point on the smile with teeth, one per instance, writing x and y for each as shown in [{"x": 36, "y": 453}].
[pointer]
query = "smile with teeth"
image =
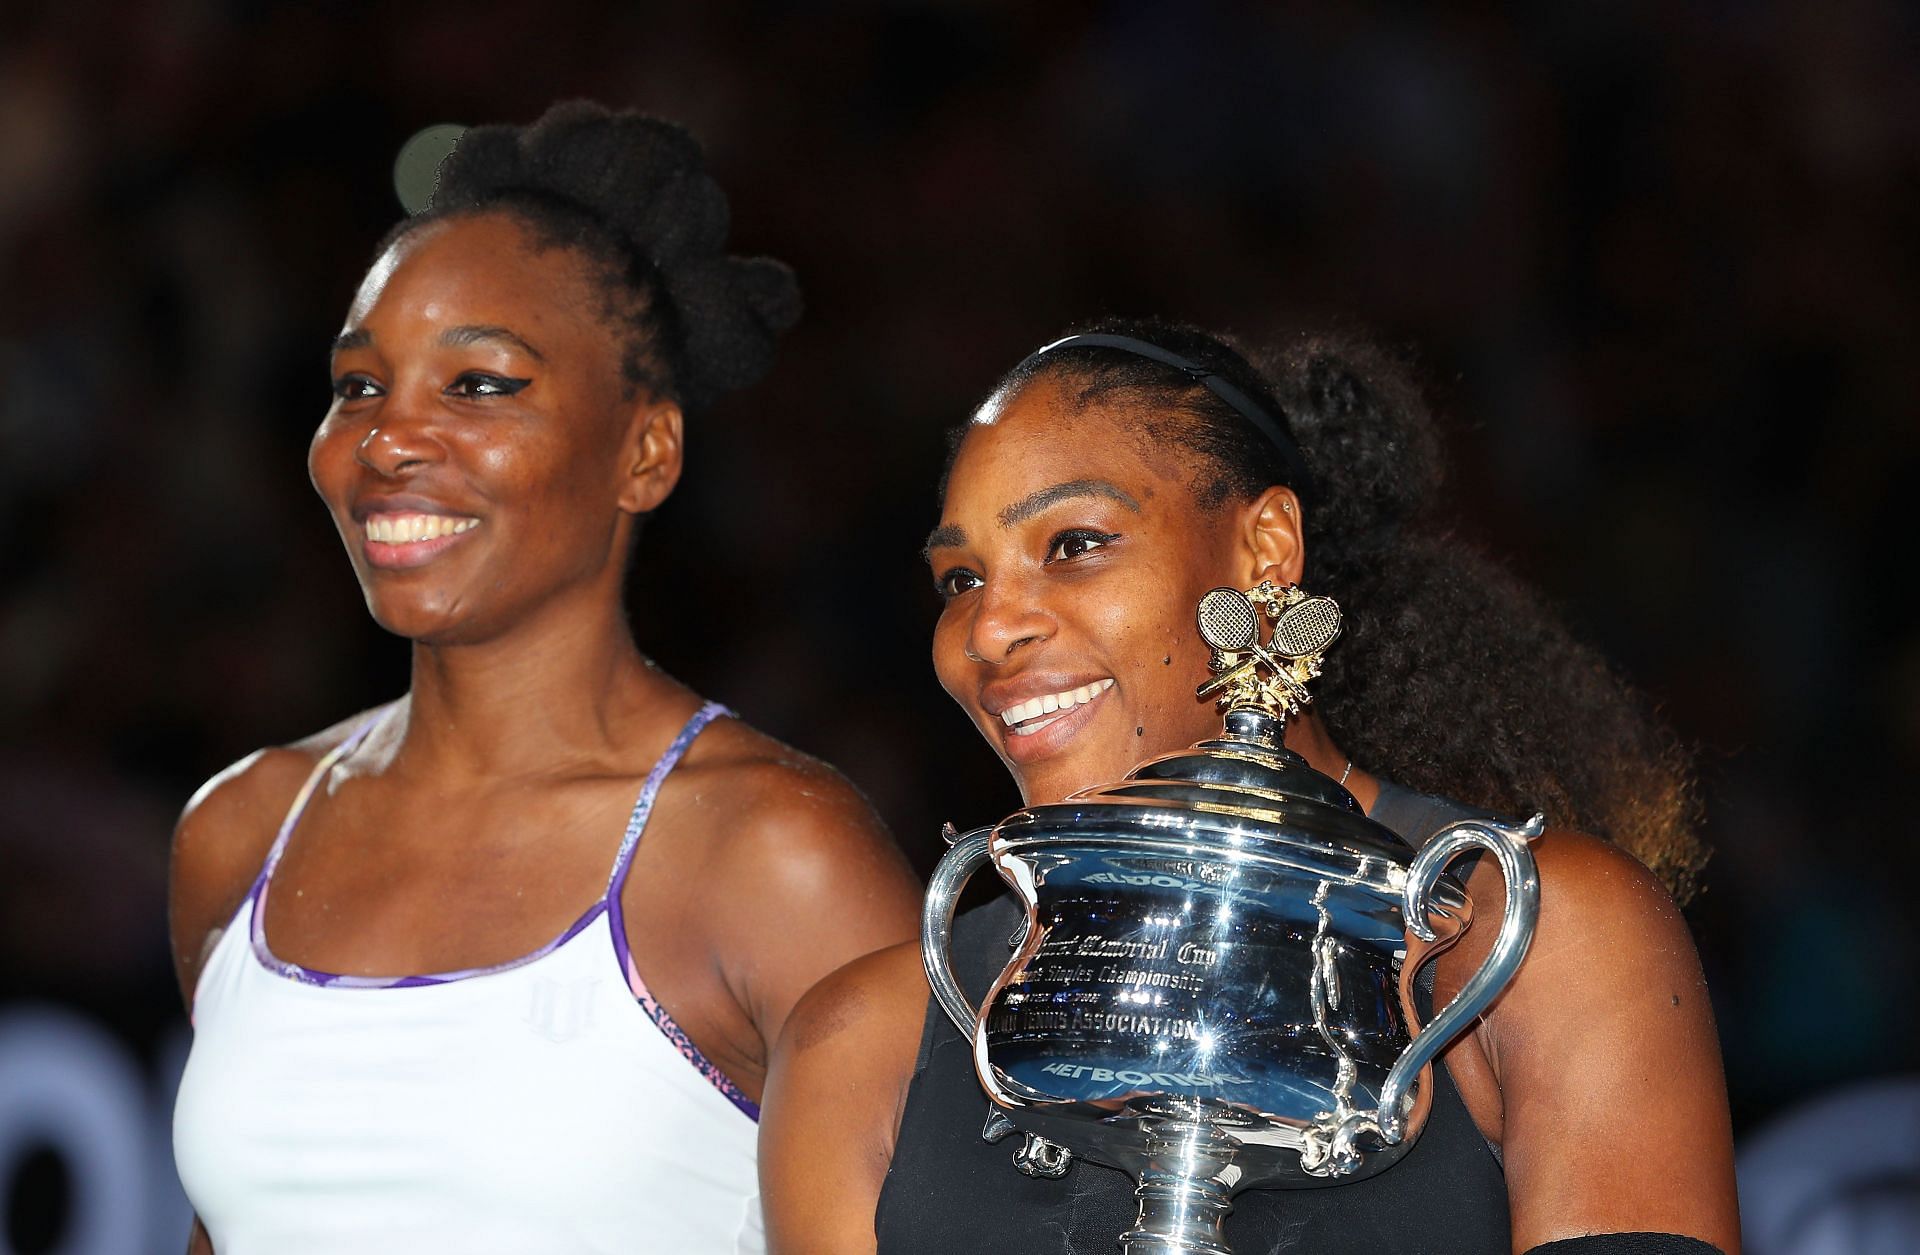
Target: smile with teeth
[
  {"x": 406, "y": 529},
  {"x": 1031, "y": 716}
]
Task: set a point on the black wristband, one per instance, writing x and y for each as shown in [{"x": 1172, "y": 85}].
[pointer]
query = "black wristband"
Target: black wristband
[{"x": 1627, "y": 1244}]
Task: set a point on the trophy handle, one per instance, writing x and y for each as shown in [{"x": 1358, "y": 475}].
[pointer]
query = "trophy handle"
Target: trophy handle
[
  {"x": 1508, "y": 843},
  {"x": 936, "y": 924}
]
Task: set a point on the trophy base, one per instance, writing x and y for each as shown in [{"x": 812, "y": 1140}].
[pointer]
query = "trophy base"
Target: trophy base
[
  {"x": 1179, "y": 1217},
  {"x": 1183, "y": 1203}
]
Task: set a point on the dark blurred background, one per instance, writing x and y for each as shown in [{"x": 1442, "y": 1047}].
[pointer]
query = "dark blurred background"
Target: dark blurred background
[{"x": 1657, "y": 259}]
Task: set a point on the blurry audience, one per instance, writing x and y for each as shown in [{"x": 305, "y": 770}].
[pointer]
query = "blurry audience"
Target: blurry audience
[
  {"x": 1838, "y": 1175},
  {"x": 1656, "y": 261}
]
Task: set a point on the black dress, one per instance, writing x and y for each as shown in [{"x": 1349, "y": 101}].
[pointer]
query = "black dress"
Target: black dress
[{"x": 948, "y": 1191}]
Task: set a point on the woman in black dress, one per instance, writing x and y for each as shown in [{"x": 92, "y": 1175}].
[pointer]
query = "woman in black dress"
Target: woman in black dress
[{"x": 1095, "y": 496}]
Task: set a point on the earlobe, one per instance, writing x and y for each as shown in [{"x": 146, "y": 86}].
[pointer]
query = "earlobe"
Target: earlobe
[
  {"x": 1273, "y": 537},
  {"x": 652, "y": 456}
]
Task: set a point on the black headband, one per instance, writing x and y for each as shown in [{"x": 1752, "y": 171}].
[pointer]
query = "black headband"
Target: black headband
[{"x": 1249, "y": 409}]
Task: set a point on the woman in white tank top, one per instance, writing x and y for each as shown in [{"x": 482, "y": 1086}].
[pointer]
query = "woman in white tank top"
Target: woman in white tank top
[{"x": 498, "y": 966}]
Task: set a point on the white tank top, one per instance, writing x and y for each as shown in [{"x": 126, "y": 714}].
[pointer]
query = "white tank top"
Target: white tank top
[{"x": 549, "y": 1104}]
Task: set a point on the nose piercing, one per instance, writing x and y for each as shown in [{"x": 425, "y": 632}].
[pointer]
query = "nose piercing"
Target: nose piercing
[{"x": 971, "y": 656}]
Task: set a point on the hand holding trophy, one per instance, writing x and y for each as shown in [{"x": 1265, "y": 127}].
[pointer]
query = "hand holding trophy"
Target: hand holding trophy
[{"x": 1213, "y": 989}]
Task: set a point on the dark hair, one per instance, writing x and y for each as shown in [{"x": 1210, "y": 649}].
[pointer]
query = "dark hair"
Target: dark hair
[
  {"x": 630, "y": 194},
  {"x": 1442, "y": 678}
]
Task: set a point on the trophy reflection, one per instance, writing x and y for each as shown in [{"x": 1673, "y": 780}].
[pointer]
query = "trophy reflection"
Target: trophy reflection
[{"x": 1213, "y": 988}]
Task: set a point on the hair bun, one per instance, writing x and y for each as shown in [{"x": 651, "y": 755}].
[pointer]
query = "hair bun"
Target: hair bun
[
  {"x": 642, "y": 181},
  {"x": 732, "y": 311}
]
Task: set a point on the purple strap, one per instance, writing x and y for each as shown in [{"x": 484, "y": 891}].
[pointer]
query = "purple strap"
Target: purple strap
[
  {"x": 616, "y": 916},
  {"x": 642, "y": 808}
]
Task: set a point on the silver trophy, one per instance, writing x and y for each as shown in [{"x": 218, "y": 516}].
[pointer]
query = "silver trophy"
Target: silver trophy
[{"x": 1213, "y": 988}]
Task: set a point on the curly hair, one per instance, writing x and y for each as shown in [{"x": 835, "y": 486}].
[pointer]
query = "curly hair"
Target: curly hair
[
  {"x": 630, "y": 194},
  {"x": 1439, "y": 680}
]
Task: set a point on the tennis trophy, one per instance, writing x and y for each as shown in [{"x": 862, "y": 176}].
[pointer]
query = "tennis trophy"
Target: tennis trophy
[{"x": 1213, "y": 988}]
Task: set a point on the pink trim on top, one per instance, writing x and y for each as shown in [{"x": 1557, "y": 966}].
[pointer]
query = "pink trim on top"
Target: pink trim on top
[{"x": 616, "y": 917}]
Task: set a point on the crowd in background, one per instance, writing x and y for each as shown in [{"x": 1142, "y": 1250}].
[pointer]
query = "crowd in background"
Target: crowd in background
[{"x": 1656, "y": 263}]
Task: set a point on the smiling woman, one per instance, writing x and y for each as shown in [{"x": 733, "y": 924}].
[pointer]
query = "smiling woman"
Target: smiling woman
[
  {"x": 498, "y": 966},
  {"x": 462, "y": 407},
  {"x": 1104, "y": 487}
]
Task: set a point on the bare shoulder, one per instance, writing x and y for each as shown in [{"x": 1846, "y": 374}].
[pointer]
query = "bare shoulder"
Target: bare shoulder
[
  {"x": 1607, "y": 930},
  {"x": 800, "y": 874},
  {"x": 223, "y": 837},
  {"x": 1600, "y": 908},
  {"x": 793, "y": 818},
  {"x": 1609, "y": 951},
  {"x": 1577, "y": 861}
]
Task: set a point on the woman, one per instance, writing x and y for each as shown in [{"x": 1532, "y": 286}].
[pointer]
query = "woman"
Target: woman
[
  {"x": 1105, "y": 485},
  {"x": 454, "y": 987}
]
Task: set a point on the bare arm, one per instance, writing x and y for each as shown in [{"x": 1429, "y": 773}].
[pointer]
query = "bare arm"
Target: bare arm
[
  {"x": 206, "y": 878},
  {"x": 218, "y": 845},
  {"x": 218, "y": 833},
  {"x": 834, "y": 1096},
  {"x": 1612, "y": 1107}
]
